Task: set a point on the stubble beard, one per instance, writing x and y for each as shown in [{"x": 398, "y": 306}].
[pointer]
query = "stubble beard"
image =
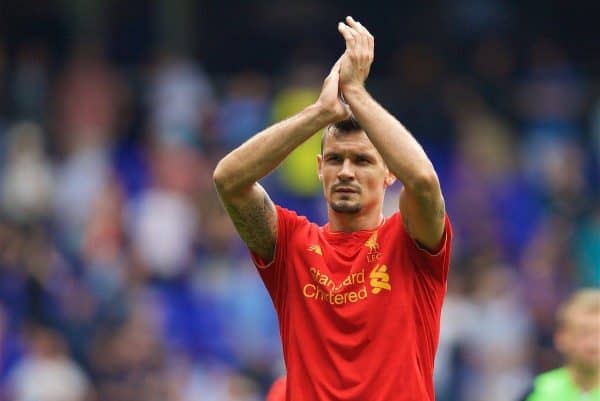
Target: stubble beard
[{"x": 346, "y": 207}]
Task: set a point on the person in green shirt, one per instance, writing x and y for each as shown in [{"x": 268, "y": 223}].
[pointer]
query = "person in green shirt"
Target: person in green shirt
[{"x": 577, "y": 338}]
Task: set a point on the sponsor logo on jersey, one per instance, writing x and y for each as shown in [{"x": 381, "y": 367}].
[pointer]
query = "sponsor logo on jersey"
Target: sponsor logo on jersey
[
  {"x": 380, "y": 279},
  {"x": 351, "y": 289}
]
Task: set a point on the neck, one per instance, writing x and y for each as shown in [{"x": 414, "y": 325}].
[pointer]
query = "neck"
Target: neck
[
  {"x": 348, "y": 222},
  {"x": 584, "y": 377}
]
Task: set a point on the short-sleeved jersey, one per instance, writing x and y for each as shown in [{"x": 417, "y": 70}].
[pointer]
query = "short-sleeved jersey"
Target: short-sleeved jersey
[
  {"x": 277, "y": 390},
  {"x": 358, "y": 312}
]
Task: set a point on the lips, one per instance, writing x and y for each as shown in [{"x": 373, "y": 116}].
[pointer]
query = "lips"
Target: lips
[{"x": 345, "y": 189}]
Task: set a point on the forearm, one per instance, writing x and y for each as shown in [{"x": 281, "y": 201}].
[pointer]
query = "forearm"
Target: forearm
[
  {"x": 262, "y": 153},
  {"x": 403, "y": 155}
]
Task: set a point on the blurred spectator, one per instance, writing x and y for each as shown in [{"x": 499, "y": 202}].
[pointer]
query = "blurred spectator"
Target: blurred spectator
[
  {"x": 587, "y": 250},
  {"x": 485, "y": 185},
  {"x": 548, "y": 274},
  {"x": 28, "y": 174},
  {"x": 129, "y": 360},
  {"x": 180, "y": 99},
  {"x": 459, "y": 317},
  {"x": 499, "y": 345},
  {"x": 47, "y": 373},
  {"x": 31, "y": 81},
  {"x": 244, "y": 110},
  {"x": 164, "y": 222},
  {"x": 88, "y": 102},
  {"x": 297, "y": 179}
]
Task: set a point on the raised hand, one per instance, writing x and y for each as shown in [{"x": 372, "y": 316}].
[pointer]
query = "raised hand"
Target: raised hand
[
  {"x": 357, "y": 59},
  {"x": 330, "y": 101}
]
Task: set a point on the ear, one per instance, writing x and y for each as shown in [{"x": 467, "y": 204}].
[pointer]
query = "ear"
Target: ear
[
  {"x": 561, "y": 341},
  {"x": 320, "y": 166},
  {"x": 389, "y": 178}
]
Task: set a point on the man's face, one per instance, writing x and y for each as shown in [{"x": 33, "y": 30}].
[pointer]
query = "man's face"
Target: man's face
[
  {"x": 579, "y": 338},
  {"x": 353, "y": 173}
]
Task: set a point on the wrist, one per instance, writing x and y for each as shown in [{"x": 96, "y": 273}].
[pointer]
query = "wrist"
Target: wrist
[
  {"x": 353, "y": 90},
  {"x": 322, "y": 115}
]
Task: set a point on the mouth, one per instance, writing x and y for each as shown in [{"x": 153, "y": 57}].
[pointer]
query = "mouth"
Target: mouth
[{"x": 346, "y": 190}]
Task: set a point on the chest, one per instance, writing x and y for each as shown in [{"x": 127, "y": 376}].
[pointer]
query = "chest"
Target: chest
[{"x": 349, "y": 277}]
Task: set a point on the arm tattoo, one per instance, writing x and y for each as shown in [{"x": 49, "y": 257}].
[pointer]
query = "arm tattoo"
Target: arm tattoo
[{"x": 256, "y": 222}]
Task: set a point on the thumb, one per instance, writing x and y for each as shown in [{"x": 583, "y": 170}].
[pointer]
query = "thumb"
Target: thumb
[{"x": 336, "y": 67}]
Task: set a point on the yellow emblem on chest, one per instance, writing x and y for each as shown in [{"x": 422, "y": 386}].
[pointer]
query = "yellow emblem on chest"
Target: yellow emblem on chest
[{"x": 316, "y": 249}]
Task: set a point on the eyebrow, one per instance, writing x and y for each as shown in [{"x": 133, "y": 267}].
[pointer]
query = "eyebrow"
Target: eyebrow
[
  {"x": 366, "y": 156},
  {"x": 356, "y": 155}
]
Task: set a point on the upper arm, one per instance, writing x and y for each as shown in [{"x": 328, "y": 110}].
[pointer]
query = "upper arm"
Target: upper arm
[
  {"x": 255, "y": 219},
  {"x": 423, "y": 213}
]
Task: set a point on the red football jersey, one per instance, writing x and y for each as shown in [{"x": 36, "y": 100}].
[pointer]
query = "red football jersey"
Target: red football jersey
[
  {"x": 358, "y": 312},
  {"x": 277, "y": 390}
]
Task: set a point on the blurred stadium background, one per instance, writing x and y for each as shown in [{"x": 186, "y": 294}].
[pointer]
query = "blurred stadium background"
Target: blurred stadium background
[{"x": 122, "y": 279}]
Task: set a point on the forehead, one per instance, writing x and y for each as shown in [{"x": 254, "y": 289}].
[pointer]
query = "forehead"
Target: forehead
[
  {"x": 355, "y": 142},
  {"x": 578, "y": 317}
]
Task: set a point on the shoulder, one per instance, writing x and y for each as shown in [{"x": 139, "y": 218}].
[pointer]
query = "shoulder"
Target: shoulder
[
  {"x": 290, "y": 217},
  {"x": 553, "y": 377},
  {"x": 550, "y": 385},
  {"x": 547, "y": 386},
  {"x": 393, "y": 222},
  {"x": 290, "y": 224}
]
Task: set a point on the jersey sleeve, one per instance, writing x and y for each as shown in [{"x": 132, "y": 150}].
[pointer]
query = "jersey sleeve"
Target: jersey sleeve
[
  {"x": 273, "y": 273},
  {"x": 434, "y": 264}
]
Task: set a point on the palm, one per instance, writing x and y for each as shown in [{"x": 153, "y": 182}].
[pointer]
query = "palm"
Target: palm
[{"x": 330, "y": 95}]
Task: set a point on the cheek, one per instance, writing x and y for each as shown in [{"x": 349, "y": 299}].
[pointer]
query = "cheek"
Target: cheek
[
  {"x": 375, "y": 182},
  {"x": 326, "y": 181}
]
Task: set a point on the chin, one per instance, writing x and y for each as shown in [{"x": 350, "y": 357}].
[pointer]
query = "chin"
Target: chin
[{"x": 347, "y": 208}]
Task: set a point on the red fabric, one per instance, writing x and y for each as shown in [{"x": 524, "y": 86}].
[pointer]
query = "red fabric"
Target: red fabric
[
  {"x": 277, "y": 391},
  {"x": 358, "y": 312}
]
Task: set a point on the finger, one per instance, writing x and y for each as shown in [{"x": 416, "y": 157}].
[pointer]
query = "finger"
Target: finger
[
  {"x": 356, "y": 25},
  {"x": 353, "y": 31},
  {"x": 358, "y": 28},
  {"x": 367, "y": 40},
  {"x": 361, "y": 28},
  {"x": 352, "y": 39},
  {"x": 370, "y": 38},
  {"x": 362, "y": 34},
  {"x": 349, "y": 34},
  {"x": 352, "y": 22},
  {"x": 365, "y": 35}
]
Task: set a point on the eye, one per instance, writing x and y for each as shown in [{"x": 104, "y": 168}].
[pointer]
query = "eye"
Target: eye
[
  {"x": 362, "y": 160},
  {"x": 333, "y": 159}
]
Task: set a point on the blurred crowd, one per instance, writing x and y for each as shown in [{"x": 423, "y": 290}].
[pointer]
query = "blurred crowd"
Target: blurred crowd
[{"x": 122, "y": 279}]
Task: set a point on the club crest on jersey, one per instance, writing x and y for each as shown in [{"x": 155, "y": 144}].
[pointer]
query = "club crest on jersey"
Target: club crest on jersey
[{"x": 373, "y": 246}]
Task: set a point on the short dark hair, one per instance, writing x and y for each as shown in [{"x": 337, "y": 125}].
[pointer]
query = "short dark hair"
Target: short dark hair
[{"x": 344, "y": 127}]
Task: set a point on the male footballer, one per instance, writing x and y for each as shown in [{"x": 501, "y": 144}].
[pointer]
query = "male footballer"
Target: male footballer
[{"x": 358, "y": 299}]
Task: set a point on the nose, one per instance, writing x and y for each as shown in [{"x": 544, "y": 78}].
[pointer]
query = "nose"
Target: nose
[{"x": 346, "y": 172}]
